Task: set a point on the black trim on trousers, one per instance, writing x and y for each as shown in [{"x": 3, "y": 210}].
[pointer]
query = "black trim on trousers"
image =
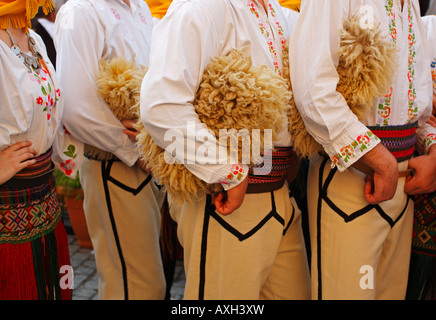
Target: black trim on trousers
[
  {"x": 318, "y": 228},
  {"x": 209, "y": 212},
  {"x": 241, "y": 237},
  {"x": 123, "y": 186},
  {"x": 360, "y": 212},
  {"x": 322, "y": 189},
  {"x": 290, "y": 221},
  {"x": 209, "y": 208},
  {"x": 106, "y": 166}
]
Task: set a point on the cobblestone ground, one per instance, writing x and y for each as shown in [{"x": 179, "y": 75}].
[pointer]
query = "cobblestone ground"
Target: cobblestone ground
[{"x": 86, "y": 277}]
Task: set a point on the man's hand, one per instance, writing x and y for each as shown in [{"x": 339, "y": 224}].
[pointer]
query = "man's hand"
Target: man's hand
[
  {"x": 424, "y": 179},
  {"x": 226, "y": 203},
  {"x": 432, "y": 121},
  {"x": 383, "y": 184},
  {"x": 130, "y": 130},
  {"x": 15, "y": 158}
]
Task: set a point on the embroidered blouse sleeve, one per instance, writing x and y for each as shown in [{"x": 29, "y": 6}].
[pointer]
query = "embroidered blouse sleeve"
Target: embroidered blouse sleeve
[
  {"x": 181, "y": 47},
  {"x": 313, "y": 63},
  {"x": 67, "y": 153},
  {"x": 80, "y": 43}
]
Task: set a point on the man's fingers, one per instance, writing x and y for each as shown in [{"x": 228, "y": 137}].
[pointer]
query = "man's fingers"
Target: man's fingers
[
  {"x": 369, "y": 190},
  {"x": 217, "y": 201},
  {"x": 222, "y": 205},
  {"x": 378, "y": 191},
  {"x": 131, "y": 134}
]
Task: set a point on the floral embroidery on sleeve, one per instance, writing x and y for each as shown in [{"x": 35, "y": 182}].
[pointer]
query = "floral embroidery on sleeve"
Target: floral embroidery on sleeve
[
  {"x": 355, "y": 149},
  {"x": 429, "y": 140},
  {"x": 236, "y": 174},
  {"x": 68, "y": 166},
  {"x": 67, "y": 152}
]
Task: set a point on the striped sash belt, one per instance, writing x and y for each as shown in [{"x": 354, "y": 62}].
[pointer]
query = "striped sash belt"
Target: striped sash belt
[
  {"x": 33, "y": 175},
  {"x": 28, "y": 203},
  {"x": 399, "y": 140},
  {"x": 275, "y": 171}
]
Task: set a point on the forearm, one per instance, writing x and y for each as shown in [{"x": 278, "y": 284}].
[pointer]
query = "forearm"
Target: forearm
[{"x": 380, "y": 160}]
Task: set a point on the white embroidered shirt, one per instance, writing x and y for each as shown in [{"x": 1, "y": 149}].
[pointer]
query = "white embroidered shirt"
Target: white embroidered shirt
[
  {"x": 184, "y": 40},
  {"x": 86, "y": 31},
  {"x": 313, "y": 62}
]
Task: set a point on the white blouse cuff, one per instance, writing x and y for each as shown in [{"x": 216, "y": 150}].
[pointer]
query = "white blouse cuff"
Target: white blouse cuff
[
  {"x": 350, "y": 147},
  {"x": 128, "y": 155},
  {"x": 233, "y": 176}
]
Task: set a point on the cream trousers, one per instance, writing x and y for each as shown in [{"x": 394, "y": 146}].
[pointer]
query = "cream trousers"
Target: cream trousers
[
  {"x": 359, "y": 251},
  {"x": 256, "y": 252},
  {"x": 123, "y": 219}
]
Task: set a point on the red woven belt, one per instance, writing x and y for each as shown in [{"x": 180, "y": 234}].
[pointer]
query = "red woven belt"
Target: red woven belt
[
  {"x": 275, "y": 171},
  {"x": 399, "y": 140}
]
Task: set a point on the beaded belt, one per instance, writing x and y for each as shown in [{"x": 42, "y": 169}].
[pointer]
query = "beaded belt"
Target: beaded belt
[
  {"x": 399, "y": 140},
  {"x": 275, "y": 171}
]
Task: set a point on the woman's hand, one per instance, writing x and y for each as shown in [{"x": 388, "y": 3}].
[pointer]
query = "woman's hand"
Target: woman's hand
[{"x": 15, "y": 158}]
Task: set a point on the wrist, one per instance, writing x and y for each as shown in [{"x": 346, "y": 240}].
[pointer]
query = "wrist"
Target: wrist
[{"x": 379, "y": 160}]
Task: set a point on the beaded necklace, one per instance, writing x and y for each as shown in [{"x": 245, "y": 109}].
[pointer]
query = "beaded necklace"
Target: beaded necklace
[
  {"x": 32, "y": 62},
  {"x": 49, "y": 94}
]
